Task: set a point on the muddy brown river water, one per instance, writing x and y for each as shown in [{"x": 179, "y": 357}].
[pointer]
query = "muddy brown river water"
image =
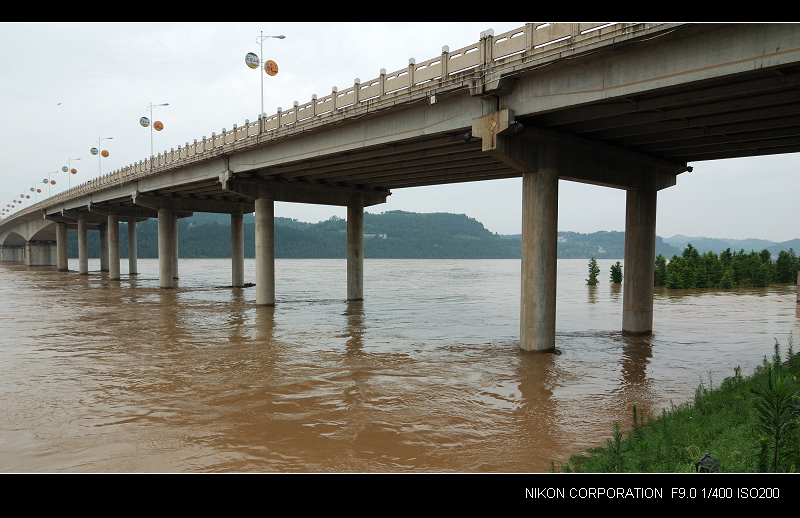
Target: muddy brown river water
[{"x": 423, "y": 376}]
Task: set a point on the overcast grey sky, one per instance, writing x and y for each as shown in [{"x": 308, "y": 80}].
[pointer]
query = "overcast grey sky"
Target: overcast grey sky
[{"x": 105, "y": 75}]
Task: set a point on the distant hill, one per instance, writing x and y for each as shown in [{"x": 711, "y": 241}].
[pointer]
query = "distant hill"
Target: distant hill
[{"x": 392, "y": 234}]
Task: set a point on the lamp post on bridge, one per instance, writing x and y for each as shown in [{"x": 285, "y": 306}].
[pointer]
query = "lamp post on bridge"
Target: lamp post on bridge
[
  {"x": 101, "y": 154},
  {"x": 259, "y": 60},
  {"x": 144, "y": 121},
  {"x": 69, "y": 171}
]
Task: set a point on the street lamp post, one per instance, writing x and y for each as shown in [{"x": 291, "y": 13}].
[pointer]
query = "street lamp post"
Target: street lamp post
[
  {"x": 69, "y": 171},
  {"x": 260, "y": 41},
  {"x": 100, "y": 156},
  {"x": 152, "y": 123}
]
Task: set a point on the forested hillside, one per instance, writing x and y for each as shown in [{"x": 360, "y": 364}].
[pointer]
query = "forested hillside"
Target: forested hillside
[{"x": 393, "y": 234}]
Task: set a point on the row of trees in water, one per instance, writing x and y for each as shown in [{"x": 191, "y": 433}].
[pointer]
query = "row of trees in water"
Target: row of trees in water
[{"x": 692, "y": 269}]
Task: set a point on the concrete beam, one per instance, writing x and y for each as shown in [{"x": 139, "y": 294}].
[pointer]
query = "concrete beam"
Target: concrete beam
[
  {"x": 301, "y": 192},
  {"x": 123, "y": 212},
  {"x": 187, "y": 206},
  {"x": 579, "y": 160}
]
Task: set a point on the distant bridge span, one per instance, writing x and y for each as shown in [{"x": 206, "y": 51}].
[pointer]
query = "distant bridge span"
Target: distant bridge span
[{"x": 620, "y": 105}]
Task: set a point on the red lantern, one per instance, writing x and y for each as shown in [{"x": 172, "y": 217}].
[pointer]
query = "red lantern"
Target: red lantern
[
  {"x": 52, "y": 182},
  {"x": 74, "y": 171}
]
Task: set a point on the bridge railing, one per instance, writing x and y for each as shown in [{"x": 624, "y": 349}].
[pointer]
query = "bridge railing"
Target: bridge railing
[{"x": 531, "y": 43}]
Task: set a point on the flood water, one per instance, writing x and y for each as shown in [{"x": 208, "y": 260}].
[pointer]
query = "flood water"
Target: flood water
[{"x": 424, "y": 375}]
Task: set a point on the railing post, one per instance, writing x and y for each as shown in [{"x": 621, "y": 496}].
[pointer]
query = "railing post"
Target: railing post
[
  {"x": 383, "y": 83},
  {"x": 313, "y": 105},
  {"x": 356, "y": 88},
  {"x": 334, "y": 91},
  {"x": 411, "y": 64}
]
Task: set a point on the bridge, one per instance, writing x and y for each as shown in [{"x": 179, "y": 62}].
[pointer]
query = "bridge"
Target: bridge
[{"x": 622, "y": 105}]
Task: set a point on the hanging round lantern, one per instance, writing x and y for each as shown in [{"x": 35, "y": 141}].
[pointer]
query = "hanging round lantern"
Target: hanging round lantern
[
  {"x": 38, "y": 190},
  {"x": 251, "y": 59},
  {"x": 52, "y": 182},
  {"x": 104, "y": 153},
  {"x": 74, "y": 171},
  {"x": 158, "y": 125},
  {"x": 144, "y": 121},
  {"x": 93, "y": 151}
]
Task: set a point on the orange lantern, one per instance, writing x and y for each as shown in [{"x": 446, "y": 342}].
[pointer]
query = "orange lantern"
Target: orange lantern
[
  {"x": 74, "y": 171},
  {"x": 52, "y": 182}
]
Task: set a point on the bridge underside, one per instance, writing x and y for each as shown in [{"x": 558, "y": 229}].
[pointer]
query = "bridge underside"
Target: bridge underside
[{"x": 629, "y": 115}]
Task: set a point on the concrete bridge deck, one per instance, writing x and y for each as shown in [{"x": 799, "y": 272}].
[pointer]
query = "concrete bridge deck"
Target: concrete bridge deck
[{"x": 624, "y": 105}]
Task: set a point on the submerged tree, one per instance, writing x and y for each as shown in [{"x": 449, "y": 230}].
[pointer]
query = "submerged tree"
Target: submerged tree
[
  {"x": 593, "y": 271},
  {"x": 616, "y": 273}
]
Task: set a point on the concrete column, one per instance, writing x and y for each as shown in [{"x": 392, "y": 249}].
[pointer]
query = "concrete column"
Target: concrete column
[
  {"x": 104, "y": 247},
  {"x": 537, "y": 325},
  {"x": 83, "y": 246},
  {"x": 355, "y": 250},
  {"x": 640, "y": 252},
  {"x": 237, "y": 249},
  {"x": 113, "y": 247},
  {"x": 61, "y": 245},
  {"x": 132, "y": 252},
  {"x": 265, "y": 249},
  {"x": 175, "y": 246},
  {"x": 166, "y": 242}
]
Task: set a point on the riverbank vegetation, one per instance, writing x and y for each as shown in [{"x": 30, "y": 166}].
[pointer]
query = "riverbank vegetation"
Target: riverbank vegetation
[
  {"x": 746, "y": 425},
  {"x": 726, "y": 270}
]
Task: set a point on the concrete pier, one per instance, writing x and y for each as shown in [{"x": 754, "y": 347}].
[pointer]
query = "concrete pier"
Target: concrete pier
[
  {"x": 237, "y": 249},
  {"x": 174, "y": 245},
  {"x": 166, "y": 242},
  {"x": 265, "y": 248},
  {"x": 61, "y": 245},
  {"x": 104, "y": 247},
  {"x": 113, "y": 247},
  {"x": 355, "y": 250},
  {"x": 83, "y": 246},
  {"x": 537, "y": 326},
  {"x": 132, "y": 252},
  {"x": 640, "y": 249},
  {"x": 798, "y": 285},
  {"x": 40, "y": 253}
]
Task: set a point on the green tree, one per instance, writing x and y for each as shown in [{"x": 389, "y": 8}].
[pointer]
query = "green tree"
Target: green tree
[
  {"x": 593, "y": 271},
  {"x": 616, "y": 273},
  {"x": 661, "y": 271}
]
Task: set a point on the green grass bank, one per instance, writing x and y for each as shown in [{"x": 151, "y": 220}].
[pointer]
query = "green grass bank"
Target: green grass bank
[{"x": 747, "y": 425}]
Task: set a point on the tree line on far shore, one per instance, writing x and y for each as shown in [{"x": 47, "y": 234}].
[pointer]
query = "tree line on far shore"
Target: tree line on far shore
[{"x": 726, "y": 270}]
